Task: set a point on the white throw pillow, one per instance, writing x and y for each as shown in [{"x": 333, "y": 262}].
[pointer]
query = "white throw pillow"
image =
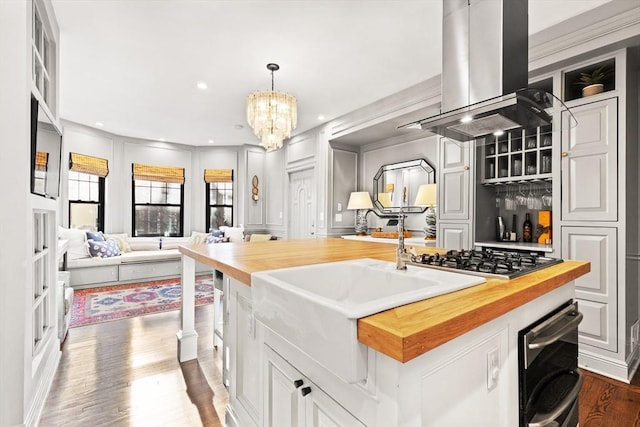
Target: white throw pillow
[
  {"x": 198, "y": 238},
  {"x": 144, "y": 243},
  {"x": 77, "y": 242},
  {"x": 174, "y": 242},
  {"x": 235, "y": 234},
  {"x": 259, "y": 237}
]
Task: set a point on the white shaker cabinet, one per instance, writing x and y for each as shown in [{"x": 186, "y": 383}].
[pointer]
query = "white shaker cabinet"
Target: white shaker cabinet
[
  {"x": 454, "y": 173},
  {"x": 452, "y": 235},
  {"x": 599, "y": 212},
  {"x": 596, "y": 290},
  {"x": 294, "y": 401},
  {"x": 454, "y": 195},
  {"x": 242, "y": 341},
  {"x": 589, "y": 162}
]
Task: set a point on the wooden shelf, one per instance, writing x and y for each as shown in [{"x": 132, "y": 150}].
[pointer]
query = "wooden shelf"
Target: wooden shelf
[{"x": 389, "y": 234}]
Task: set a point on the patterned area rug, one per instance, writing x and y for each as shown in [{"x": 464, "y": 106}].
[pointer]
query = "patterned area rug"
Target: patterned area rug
[{"x": 107, "y": 303}]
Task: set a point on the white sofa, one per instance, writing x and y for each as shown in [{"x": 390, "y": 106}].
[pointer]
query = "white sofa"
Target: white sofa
[{"x": 140, "y": 259}]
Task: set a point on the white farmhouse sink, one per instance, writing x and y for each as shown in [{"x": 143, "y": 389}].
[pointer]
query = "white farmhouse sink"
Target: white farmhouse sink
[{"x": 316, "y": 307}]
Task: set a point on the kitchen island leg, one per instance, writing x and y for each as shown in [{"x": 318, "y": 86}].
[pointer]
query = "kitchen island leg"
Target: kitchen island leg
[{"x": 187, "y": 335}]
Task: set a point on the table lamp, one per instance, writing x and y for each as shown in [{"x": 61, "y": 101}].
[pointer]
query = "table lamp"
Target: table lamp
[
  {"x": 427, "y": 197},
  {"x": 361, "y": 202}
]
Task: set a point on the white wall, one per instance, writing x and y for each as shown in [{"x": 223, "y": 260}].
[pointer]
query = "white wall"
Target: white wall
[
  {"x": 14, "y": 224},
  {"x": 121, "y": 152},
  {"x": 373, "y": 156}
]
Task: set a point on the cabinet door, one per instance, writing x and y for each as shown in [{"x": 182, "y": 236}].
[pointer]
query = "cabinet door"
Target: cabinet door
[
  {"x": 454, "y": 175},
  {"x": 282, "y": 407},
  {"x": 453, "y": 236},
  {"x": 589, "y": 159},
  {"x": 245, "y": 357},
  {"x": 322, "y": 411},
  {"x": 596, "y": 290}
]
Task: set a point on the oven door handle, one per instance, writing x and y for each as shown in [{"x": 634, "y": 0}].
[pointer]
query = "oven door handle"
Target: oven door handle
[
  {"x": 543, "y": 340},
  {"x": 546, "y": 419}
]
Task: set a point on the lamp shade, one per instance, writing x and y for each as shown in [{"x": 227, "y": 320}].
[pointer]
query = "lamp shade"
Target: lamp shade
[
  {"x": 426, "y": 195},
  {"x": 360, "y": 200}
]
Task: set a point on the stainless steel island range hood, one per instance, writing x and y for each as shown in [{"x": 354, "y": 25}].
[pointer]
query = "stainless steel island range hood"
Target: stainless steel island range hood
[{"x": 485, "y": 71}]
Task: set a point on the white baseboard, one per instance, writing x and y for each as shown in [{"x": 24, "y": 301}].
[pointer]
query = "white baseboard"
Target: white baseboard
[
  {"x": 615, "y": 369},
  {"x": 32, "y": 418}
]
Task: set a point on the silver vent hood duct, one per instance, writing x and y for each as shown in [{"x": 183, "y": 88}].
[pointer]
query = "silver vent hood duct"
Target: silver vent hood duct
[{"x": 485, "y": 71}]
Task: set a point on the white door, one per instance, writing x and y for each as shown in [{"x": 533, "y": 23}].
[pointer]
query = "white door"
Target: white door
[
  {"x": 302, "y": 207},
  {"x": 589, "y": 163}
]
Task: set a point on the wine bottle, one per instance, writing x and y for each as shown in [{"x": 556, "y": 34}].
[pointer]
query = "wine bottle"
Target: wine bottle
[{"x": 527, "y": 228}]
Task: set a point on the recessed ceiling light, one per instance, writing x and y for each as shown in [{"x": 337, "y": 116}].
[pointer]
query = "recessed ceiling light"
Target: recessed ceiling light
[
  {"x": 99, "y": 124},
  {"x": 238, "y": 126},
  {"x": 499, "y": 133},
  {"x": 466, "y": 119},
  {"x": 162, "y": 139},
  {"x": 320, "y": 117},
  {"x": 211, "y": 141},
  {"x": 202, "y": 85}
]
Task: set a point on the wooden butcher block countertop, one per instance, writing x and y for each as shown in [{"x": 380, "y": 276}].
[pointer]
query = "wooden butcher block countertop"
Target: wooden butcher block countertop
[{"x": 407, "y": 331}]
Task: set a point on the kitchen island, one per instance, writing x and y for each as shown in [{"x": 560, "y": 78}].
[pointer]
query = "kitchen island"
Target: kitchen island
[{"x": 405, "y": 342}]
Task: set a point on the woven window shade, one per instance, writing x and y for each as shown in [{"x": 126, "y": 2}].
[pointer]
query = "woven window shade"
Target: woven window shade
[
  {"x": 42, "y": 159},
  {"x": 218, "y": 175},
  {"x": 88, "y": 164},
  {"x": 158, "y": 173}
]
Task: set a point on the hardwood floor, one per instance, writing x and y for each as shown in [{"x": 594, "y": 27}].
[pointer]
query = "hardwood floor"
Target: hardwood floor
[
  {"x": 608, "y": 403},
  {"x": 126, "y": 373}
]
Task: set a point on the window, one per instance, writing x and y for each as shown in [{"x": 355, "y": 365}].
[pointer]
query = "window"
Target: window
[
  {"x": 158, "y": 200},
  {"x": 86, "y": 185},
  {"x": 219, "y": 197}
]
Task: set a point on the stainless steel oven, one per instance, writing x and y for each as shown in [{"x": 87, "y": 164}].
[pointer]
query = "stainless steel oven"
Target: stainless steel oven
[{"x": 549, "y": 379}]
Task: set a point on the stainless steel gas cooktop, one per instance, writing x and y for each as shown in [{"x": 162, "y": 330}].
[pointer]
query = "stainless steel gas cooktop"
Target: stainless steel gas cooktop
[{"x": 486, "y": 262}]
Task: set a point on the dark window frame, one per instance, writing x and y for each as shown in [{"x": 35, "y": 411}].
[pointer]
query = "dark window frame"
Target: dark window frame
[
  {"x": 180, "y": 232},
  {"x": 100, "y": 202},
  {"x": 209, "y": 206}
]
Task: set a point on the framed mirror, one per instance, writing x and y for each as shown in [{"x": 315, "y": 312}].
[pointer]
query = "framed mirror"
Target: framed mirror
[{"x": 396, "y": 185}]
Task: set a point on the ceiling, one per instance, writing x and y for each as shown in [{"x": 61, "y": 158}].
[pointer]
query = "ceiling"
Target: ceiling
[{"x": 133, "y": 65}]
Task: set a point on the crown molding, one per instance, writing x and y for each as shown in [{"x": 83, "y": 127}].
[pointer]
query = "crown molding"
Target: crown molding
[{"x": 563, "y": 41}]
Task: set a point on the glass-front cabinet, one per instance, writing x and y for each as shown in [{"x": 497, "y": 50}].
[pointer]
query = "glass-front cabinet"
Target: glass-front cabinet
[{"x": 44, "y": 58}]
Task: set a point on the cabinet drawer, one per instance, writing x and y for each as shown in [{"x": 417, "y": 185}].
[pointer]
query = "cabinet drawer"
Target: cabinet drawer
[
  {"x": 598, "y": 326},
  {"x": 90, "y": 275},
  {"x": 144, "y": 270}
]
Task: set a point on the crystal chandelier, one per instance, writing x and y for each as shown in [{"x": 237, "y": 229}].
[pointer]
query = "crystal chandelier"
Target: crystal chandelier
[{"x": 272, "y": 115}]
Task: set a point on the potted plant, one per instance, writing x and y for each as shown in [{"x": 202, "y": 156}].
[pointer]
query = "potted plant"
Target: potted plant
[{"x": 593, "y": 82}]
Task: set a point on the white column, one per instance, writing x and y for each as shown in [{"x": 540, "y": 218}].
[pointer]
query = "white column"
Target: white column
[{"x": 187, "y": 335}]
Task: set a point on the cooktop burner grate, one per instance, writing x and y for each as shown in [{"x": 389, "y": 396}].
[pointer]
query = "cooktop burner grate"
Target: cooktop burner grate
[{"x": 487, "y": 262}]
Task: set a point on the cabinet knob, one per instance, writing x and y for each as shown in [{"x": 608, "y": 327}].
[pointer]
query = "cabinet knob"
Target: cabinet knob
[
  {"x": 466, "y": 168},
  {"x": 564, "y": 154},
  {"x": 298, "y": 383},
  {"x": 305, "y": 390}
]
